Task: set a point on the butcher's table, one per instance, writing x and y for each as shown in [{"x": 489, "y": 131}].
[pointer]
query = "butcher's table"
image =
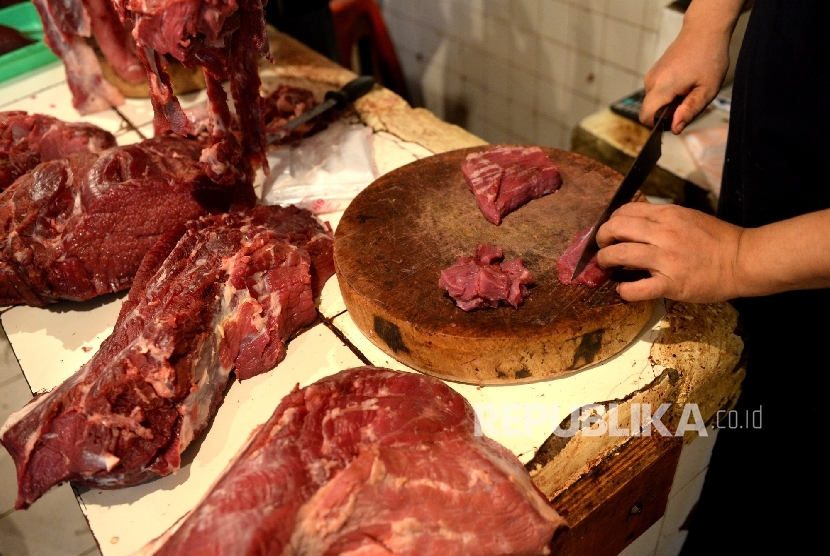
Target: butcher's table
[{"x": 620, "y": 491}]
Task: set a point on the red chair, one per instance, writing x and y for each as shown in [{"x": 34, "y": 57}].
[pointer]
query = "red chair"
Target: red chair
[{"x": 364, "y": 43}]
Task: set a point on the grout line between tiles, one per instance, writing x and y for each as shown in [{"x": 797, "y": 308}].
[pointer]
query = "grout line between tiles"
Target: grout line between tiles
[
  {"x": 340, "y": 336},
  {"x": 32, "y": 93}
]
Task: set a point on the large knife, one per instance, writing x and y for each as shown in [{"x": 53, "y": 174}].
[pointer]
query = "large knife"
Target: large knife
[
  {"x": 643, "y": 165},
  {"x": 350, "y": 92}
]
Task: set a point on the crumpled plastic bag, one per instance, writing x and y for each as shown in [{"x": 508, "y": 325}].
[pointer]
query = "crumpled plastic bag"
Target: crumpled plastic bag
[
  {"x": 708, "y": 149},
  {"x": 324, "y": 172}
]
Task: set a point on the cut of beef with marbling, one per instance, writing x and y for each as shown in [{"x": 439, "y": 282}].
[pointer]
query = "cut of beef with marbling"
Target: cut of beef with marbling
[
  {"x": 504, "y": 177},
  {"x": 483, "y": 282},
  {"x": 78, "y": 227},
  {"x": 369, "y": 461},
  {"x": 592, "y": 276},
  {"x": 221, "y": 293},
  {"x": 26, "y": 140}
]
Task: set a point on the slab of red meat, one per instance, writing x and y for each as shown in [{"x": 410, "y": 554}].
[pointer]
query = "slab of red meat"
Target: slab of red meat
[
  {"x": 369, "y": 461},
  {"x": 227, "y": 40},
  {"x": 219, "y": 294},
  {"x": 505, "y": 177},
  {"x": 483, "y": 282},
  {"x": 78, "y": 227},
  {"x": 593, "y": 275},
  {"x": 66, "y": 26},
  {"x": 26, "y": 140}
]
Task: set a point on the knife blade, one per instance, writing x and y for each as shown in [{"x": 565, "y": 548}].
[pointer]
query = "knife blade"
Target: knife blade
[
  {"x": 643, "y": 165},
  {"x": 350, "y": 92}
]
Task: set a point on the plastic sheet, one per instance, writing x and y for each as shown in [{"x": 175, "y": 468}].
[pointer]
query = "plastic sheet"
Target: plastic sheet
[{"x": 324, "y": 172}]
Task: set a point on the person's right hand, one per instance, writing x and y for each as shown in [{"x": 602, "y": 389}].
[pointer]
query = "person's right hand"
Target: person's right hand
[{"x": 694, "y": 66}]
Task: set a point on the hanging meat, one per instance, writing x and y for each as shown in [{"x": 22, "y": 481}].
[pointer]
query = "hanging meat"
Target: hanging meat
[{"x": 225, "y": 39}]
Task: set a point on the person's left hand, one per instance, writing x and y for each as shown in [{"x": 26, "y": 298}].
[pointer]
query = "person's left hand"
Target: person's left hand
[{"x": 690, "y": 255}]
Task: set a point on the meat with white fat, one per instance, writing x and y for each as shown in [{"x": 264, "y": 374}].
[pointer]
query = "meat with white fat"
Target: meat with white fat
[
  {"x": 78, "y": 227},
  {"x": 369, "y": 461},
  {"x": 505, "y": 177},
  {"x": 223, "y": 293},
  {"x": 26, "y": 140}
]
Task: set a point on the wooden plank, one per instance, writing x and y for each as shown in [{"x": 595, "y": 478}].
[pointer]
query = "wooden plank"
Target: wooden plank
[{"x": 619, "y": 499}]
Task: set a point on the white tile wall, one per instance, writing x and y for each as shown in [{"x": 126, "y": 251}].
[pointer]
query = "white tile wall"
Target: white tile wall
[{"x": 522, "y": 70}]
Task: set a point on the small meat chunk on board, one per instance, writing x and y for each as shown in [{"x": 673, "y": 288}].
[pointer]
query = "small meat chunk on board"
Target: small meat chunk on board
[
  {"x": 505, "y": 177},
  {"x": 369, "y": 461},
  {"x": 26, "y": 140},
  {"x": 484, "y": 282},
  {"x": 222, "y": 293},
  {"x": 592, "y": 276}
]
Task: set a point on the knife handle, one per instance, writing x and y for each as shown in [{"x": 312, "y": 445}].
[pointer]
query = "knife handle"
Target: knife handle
[
  {"x": 352, "y": 91},
  {"x": 666, "y": 115}
]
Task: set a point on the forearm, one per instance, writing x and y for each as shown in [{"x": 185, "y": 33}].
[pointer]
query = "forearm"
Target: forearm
[
  {"x": 712, "y": 18},
  {"x": 793, "y": 254}
]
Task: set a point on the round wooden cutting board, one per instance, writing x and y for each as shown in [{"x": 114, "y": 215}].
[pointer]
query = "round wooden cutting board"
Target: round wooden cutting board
[{"x": 400, "y": 232}]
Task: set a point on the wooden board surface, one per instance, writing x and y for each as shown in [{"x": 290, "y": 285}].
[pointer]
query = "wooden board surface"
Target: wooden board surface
[{"x": 401, "y": 231}]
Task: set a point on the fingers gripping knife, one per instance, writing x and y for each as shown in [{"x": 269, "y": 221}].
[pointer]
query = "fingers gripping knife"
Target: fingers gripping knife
[
  {"x": 643, "y": 165},
  {"x": 350, "y": 92}
]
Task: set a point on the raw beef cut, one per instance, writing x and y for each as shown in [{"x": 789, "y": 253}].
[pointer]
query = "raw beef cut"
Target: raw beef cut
[
  {"x": 227, "y": 40},
  {"x": 26, "y": 140},
  {"x": 78, "y": 227},
  {"x": 592, "y": 276},
  {"x": 369, "y": 461},
  {"x": 505, "y": 177},
  {"x": 221, "y": 293},
  {"x": 482, "y": 281},
  {"x": 67, "y": 24}
]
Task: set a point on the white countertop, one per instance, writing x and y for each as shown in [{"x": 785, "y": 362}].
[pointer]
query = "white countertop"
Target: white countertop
[{"x": 52, "y": 343}]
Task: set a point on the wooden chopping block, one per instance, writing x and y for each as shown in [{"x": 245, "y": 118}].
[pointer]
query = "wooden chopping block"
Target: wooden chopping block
[{"x": 400, "y": 232}]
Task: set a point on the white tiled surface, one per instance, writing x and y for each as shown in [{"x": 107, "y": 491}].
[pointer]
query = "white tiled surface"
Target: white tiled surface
[{"x": 553, "y": 62}]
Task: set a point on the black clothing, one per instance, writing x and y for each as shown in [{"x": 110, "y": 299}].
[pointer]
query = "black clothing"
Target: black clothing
[{"x": 776, "y": 159}]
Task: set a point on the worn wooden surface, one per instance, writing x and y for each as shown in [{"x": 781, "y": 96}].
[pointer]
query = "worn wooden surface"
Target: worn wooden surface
[
  {"x": 616, "y": 141},
  {"x": 619, "y": 499},
  {"x": 398, "y": 234}
]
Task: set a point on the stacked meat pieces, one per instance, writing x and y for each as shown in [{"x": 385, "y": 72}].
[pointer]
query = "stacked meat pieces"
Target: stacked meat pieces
[
  {"x": 221, "y": 293},
  {"x": 485, "y": 282},
  {"x": 369, "y": 461},
  {"x": 26, "y": 140},
  {"x": 77, "y": 227}
]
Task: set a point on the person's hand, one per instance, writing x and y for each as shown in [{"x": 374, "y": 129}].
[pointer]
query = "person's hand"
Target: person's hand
[
  {"x": 690, "y": 256},
  {"x": 693, "y": 66}
]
